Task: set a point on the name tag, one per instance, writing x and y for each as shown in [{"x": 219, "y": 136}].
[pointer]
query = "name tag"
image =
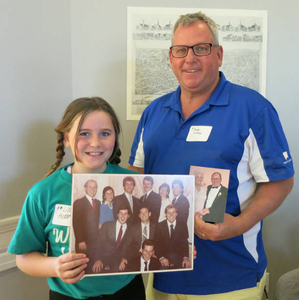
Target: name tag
[
  {"x": 62, "y": 215},
  {"x": 199, "y": 133}
]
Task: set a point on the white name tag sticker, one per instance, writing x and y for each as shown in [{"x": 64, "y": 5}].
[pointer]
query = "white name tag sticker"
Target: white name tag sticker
[
  {"x": 62, "y": 215},
  {"x": 199, "y": 133}
]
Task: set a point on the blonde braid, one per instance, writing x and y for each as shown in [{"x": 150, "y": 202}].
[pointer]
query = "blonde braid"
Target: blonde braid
[{"x": 59, "y": 153}]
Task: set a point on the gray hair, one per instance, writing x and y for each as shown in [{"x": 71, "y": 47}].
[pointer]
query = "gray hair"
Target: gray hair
[{"x": 188, "y": 19}]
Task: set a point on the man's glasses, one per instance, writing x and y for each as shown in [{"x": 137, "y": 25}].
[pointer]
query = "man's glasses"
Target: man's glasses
[{"x": 201, "y": 49}]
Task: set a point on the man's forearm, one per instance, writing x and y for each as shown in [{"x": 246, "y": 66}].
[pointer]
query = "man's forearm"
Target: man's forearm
[{"x": 269, "y": 196}]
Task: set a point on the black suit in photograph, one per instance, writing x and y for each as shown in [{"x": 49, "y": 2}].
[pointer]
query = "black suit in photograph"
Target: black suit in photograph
[
  {"x": 133, "y": 243},
  {"x": 173, "y": 248},
  {"x": 182, "y": 205},
  {"x": 217, "y": 209},
  {"x": 153, "y": 202},
  {"x": 123, "y": 200},
  {"x": 86, "y": 226},
  {"x": 134, "y": 265},
  {"x": 107, "y": 249}
]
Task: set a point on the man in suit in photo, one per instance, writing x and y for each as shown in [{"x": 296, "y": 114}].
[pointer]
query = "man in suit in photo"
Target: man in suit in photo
[
  {"x": 180, "y": 201},
  {"x": 127, "y": 199},
  {"x": 86, "y": 216},
  {"x": 146, "y": 261},
  {"x": 111, "y": 240},
  {"x": 140, "y": 232},
  {"x": 216, "y": 200},
  {"x": 151, "y": 199},
  {"x": 171, "y": 238}
]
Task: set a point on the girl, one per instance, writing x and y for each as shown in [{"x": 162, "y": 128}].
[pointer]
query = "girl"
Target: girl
[
  {"x": 106, "y": 213},
  {"x": 164, "y": 191},
  {"x": 91, "y": 129}
]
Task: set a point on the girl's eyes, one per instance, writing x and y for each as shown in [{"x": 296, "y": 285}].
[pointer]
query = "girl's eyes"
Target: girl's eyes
[
  {"x": 103, "y": 134},
  {"x": 84, "y": 134}
]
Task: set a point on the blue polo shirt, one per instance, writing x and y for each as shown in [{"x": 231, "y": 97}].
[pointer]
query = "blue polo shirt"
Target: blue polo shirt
[{"x": 235, "y": 129}]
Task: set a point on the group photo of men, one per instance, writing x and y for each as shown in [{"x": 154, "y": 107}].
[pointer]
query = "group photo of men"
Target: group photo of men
[{"x": 133, "y": 223}]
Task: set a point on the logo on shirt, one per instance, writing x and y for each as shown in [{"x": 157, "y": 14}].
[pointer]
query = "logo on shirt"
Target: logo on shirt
[
  {"x": 286, "y": 157},
  {"x": 285, "y": 154}
]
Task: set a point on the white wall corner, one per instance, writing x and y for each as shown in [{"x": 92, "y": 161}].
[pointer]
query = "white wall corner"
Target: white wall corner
[{"x": 7, "y": 229}]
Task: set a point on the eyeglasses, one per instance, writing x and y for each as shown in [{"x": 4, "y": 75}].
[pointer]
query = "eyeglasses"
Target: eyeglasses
[{"x": 201, "y": 49}]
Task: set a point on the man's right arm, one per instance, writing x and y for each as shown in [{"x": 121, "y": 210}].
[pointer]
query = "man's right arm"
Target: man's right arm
[{"x": 136, "y": 169}]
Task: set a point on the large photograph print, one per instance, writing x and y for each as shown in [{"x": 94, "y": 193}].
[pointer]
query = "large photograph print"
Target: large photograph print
[{"x": 133, "y": 223}]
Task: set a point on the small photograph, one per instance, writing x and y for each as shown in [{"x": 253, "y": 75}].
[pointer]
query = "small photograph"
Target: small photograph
[
  {"x": 133, "y": 223},
  {"x": 210, "y": 192}
]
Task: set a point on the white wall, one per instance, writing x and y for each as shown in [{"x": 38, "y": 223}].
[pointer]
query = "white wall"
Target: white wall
[
  {"x": 55, "y": 51},
  {"x": 35, "y": 87}
]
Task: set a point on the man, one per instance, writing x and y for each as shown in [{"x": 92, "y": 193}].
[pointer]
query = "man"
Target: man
[
  {"x": 211, "y": 122},
  {"x": 171, "y": 237},
  {"x": 180, "y": 201},
  {"x": 151, "y": 199},
  {"x": 86, "y": 216},
  {"x": 127, "y": 199},
  {"x": 146, "y": 261},
  {"x": 140, "y": 232},
  {"x": 216, "y": 200},
  {"x": 110, "y": 242}
]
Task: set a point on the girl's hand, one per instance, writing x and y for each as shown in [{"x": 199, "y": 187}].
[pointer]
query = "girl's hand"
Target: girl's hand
[{"x": 70, "y": 267}]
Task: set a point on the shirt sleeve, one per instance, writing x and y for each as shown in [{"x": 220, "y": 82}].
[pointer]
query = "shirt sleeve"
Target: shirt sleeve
[
  {"x": 137, "y": 151},
  {"x": 30, "y": 235},
  {"x": 270, "y": 157}
]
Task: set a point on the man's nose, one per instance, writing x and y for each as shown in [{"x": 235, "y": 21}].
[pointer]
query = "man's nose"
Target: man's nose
[{"x": 191, "y": 57}]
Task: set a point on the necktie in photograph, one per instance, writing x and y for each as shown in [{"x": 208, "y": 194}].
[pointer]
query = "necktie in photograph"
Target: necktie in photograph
[
  {"x": 144, "y": 235},
  {"x": 94, "y": 204},
  {"x": 171, "y": 230},
  {"x": 145, "y": 266},
  {"x": 131, "y": 203},
  {"x": 144, "y": 197},
  {"x": 173, "y": 201},
  {"x": 120, "y": 233}
]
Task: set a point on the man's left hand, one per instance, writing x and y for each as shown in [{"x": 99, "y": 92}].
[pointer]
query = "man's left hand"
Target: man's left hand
[{"x": 216, "y": 231}]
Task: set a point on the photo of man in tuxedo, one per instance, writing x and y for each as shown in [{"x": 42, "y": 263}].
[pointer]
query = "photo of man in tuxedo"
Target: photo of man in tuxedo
[
  {"x": 86, "y": 216},
  {"x": 111, "y": 240},
  {"x": 140, "y": 232},
  {"x": 146, "y": 260},
  {"x": 180, "y": 201},
  {"x": 216, "y": 200},
  {"x": 151, "y": 199},
  {"x": 128, "y": 200},
  {"x": 171, "y": 239}
]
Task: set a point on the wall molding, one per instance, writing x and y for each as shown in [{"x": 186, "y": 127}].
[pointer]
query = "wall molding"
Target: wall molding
[{"x": 7, "y": 229}]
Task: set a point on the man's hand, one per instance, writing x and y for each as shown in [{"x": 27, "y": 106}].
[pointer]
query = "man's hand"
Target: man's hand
[
  {"x": 82, "y": 246},
  {"x": 203, "y": 212},
  {"x": 186, "y": 263},
  {"x": 268, "y": 197},
  {"x": 164, "y": 262},
  {"x": 97, "y": 267},
  {"x": 217, "y": 231},
  {"x": 123, "y": 264},
  {"x": 70, "y": 267}
]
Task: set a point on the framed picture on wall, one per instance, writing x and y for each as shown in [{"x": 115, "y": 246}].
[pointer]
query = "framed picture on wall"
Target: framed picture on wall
[{"x": 242, "y": 33}]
